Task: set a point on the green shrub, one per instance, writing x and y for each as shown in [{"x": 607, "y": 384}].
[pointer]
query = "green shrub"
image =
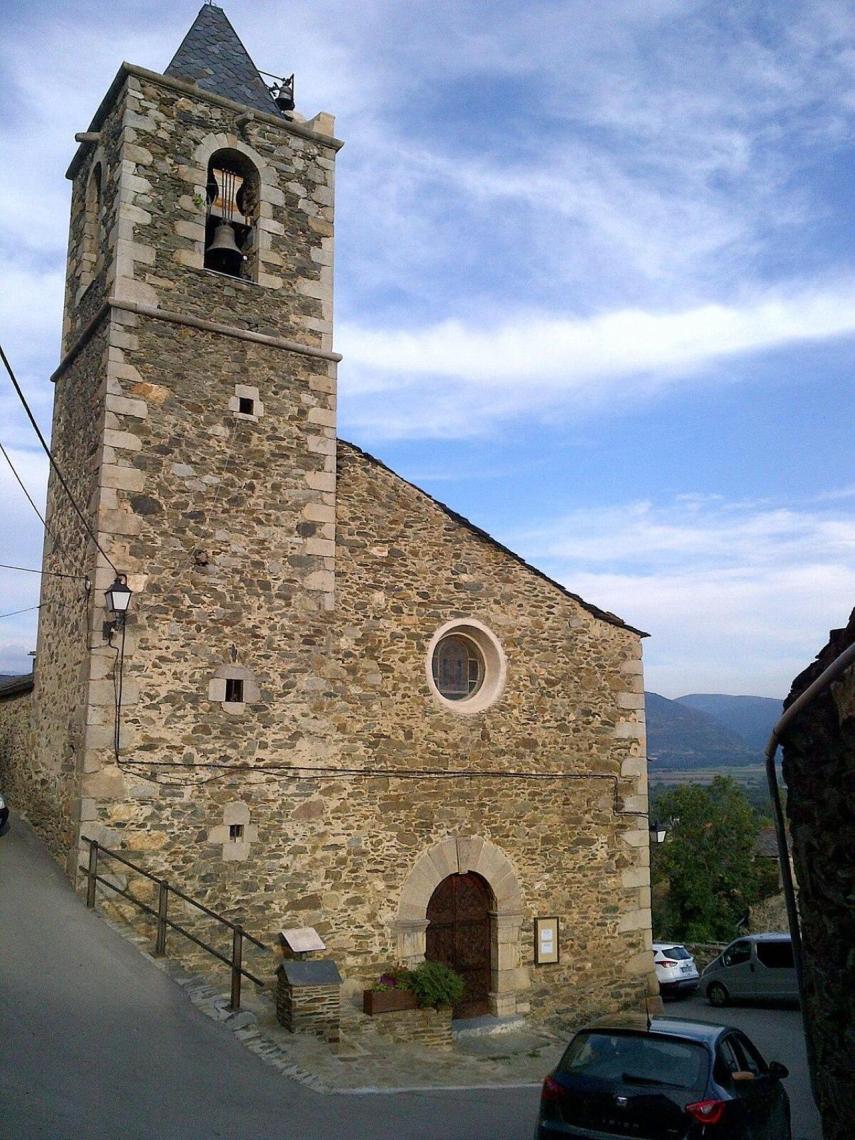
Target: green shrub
[
  {"x": 436, "y": 984},
  {"x": 395, "y": 978}
]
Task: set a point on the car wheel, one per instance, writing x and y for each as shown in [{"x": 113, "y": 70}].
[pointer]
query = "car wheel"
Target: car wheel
[{"x": 717, "y": 995}]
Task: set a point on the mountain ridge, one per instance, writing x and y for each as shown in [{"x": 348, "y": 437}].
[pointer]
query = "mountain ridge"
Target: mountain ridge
[
  {"x": 751, "y": 718},
  {"x": 708, "y": 730}
]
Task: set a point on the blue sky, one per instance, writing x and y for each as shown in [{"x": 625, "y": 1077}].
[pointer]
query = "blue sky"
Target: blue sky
[{"x": 595, "y": 287}]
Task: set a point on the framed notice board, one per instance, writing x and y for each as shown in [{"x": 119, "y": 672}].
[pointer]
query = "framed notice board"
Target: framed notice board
[{"x": 546, "y": 949}]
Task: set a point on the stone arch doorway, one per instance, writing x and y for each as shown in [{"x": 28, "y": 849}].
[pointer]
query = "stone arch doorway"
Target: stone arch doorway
[
  {"x": 459, "y": 933},
  {"x": 458, "y": 856}
]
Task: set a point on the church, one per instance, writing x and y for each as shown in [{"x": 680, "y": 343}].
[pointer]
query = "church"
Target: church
[{"x": 332, "y": 701}]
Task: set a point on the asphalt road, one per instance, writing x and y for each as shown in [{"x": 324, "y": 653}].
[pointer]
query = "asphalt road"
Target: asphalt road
[
  {"x": 97, "y": 1043},
  {"x": 777, "y": 1033}
]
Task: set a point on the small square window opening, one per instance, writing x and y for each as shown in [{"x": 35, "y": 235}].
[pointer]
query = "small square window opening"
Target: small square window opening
[
  {"x": 246, "y": 406},
  {"x": 235, "y": 832},
  {"x": 234, "y": 690}
]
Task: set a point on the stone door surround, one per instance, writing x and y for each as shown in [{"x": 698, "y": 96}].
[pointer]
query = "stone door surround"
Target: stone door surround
[{"x": 454, "y": 856}]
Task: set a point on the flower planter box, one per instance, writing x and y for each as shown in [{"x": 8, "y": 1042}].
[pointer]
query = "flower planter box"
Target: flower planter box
[
  {"x": 387, "y": 1001},
  {"x": 418, "y": 1026}
]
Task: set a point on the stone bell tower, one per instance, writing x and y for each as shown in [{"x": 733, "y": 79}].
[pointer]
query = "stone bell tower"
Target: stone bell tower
[{"x": 195, "y": 422}]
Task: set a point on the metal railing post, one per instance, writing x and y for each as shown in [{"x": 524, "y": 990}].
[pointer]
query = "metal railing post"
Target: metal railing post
[
  {"x": 160, "y": 914},
  {"x": 237, "y": 961},
  {"x": 92, "y": 873},
  {"x": 162, "y": 902}
]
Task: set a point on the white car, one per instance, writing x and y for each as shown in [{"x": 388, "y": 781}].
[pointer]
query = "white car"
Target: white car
[{"x": 675, "y": 969}]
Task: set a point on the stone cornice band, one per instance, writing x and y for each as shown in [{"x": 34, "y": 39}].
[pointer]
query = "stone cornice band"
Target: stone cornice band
[
  {"x": 191, "y": 322},
  {"x": 126, "y": 69}
]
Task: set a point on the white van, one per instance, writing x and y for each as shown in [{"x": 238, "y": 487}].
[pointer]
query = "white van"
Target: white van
[{"x": 758, "y": 966}]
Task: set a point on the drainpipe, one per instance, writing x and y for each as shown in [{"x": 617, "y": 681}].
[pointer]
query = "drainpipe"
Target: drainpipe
[{"x": 837, "y": 667}]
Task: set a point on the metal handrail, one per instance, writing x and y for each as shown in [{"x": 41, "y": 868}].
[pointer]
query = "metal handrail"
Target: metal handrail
[{"x": 161, "y": 916}]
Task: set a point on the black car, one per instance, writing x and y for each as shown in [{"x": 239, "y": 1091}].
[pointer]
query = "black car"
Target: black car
[
  {"x": 4, "y": 815},
  {"x": 666, "y": 1080}
]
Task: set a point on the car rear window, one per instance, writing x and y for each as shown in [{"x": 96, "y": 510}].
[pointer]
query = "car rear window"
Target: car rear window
[
  {"x": 679, "y": 953},
  {"x": 634, "y": 1058},
  {"x": 777, "y": 955}
]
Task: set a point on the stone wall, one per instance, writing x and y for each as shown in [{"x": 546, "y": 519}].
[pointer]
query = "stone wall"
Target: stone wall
[
  {"x": 173, "y": 467},
  {"x": 416, "y": 1026},
  {"x": 95, "y": 227},
  {"x": 16, "y": 749},
  {"x": 259, "y": 550},
  {"x": 536, "y": 775},
  {"x": 63, "y": 726},
  {"x": 768, "y": 914},
  {"x": 309, "y": 1009},
  {"x": 819, "y": 770},
  {"x": 571, "y": 708}
]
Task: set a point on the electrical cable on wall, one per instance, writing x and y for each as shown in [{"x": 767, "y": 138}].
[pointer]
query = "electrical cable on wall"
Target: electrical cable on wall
[
  {"x": 118, "y": 685},
  {"x": 308, "y": 772}
]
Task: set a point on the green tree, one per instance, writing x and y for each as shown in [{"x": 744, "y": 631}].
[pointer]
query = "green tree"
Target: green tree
[{"x": 705, "y": 874}]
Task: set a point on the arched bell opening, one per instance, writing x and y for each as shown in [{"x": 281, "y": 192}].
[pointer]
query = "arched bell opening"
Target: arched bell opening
[
  {"x": 232, "y": 199},
  {"x": 91, "y": 254}
]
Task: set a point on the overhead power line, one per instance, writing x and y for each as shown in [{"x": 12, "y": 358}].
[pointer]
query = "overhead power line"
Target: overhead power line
[
  {"x": 14, "y": 613},
  {"x": 8, "y": 459},
  {"x": 53, "y": 462},
  {"x": 49, "y": 573}
]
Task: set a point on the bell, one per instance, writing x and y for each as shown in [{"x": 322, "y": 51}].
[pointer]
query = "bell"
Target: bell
[
  {"x": 283, "y": 94},
  {"x": 223, "y": 253}
]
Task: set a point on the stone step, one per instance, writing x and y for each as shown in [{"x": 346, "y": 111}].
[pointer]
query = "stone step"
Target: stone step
[{"x": 481, "y": 1026}]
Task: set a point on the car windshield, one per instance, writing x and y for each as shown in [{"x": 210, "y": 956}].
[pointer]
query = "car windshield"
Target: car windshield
[
  {"x": 678, "y": 953},
  {"x": 634, "y": 1058}
]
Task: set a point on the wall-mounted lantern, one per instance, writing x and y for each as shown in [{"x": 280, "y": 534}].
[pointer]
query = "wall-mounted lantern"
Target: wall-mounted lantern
[
  {"x": 658, "y": 831},
  {"x": 118, "y": 597}
]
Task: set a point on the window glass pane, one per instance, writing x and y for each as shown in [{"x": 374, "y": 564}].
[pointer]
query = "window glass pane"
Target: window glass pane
[
  {"x": 678, "y": 953},
  {"x": 750, "y": 1060},
  {"x": 776, "y": 955},
  {"x": 728, "y": 1057},
  {"x": 739, "y": 952},
  {"x": 234, "y": 690},
  {"x": 457, "y": 668},
  {"x": 650, "y": 1060}
]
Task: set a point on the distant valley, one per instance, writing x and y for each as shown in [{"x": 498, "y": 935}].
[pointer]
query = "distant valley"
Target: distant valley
[{"x": 708, "y": 731}]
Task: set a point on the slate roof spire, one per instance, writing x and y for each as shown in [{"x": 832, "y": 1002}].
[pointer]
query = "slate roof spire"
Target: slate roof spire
[{"x": 212, "y": 55}]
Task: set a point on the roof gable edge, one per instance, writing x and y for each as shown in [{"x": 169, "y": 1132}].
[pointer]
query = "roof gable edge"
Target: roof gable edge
[{"x": 485, "y": 536}]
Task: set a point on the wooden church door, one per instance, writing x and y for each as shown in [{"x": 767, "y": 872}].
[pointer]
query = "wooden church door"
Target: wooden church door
[{"x": 458, "y": 934}]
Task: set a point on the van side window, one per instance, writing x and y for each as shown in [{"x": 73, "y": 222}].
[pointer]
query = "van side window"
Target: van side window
[
  {"x": 738, "y": 952},
  {"x": 776, "y": 955}
]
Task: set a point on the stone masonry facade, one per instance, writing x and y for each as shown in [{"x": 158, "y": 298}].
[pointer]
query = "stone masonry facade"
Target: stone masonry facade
[
  {"x": 819, "y": 769},
  {"x": 340, "y": 790}
]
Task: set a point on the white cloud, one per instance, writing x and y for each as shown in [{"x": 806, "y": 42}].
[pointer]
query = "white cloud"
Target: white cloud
[
  {"x": 598, "y": 193},
  {"x": 560, "y": 352},
  {"x": 479, "y": 375},
  {"x": 738, "y": 597}
]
